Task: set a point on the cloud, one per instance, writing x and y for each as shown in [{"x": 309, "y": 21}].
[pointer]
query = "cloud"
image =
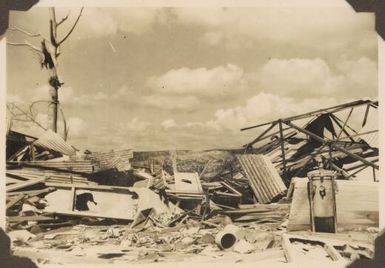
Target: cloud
[
  {"x": 108, "y": 21},
  {"x": 170, "y": 102},
  {"x": 213, "y": 38},
  {"x": 294, "y": 76},
  {"x": 309, "y": 27},
  {"x": 360, "y": 75},
  {"x": 100, "y": 96},
  {"x": 134, "y": 125},
  {"x": 77, "y": 127},
  {"x": 219, "y": 82},
  {"x": 314, "y": 77},
  {"x": 169, "y": 123},
  {"x": 43, "y": 92},
  {"x": 14, "y": 98},
  {"x": 265, "y": 107}
]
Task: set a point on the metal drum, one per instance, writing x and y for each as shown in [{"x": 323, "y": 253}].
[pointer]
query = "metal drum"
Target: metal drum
[{"x": 322, "y": 190}]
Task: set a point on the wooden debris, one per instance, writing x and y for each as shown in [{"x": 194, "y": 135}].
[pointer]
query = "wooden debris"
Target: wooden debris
[
  {"x": 24, "y": 184},
  {"x": 292, "y": 254}
]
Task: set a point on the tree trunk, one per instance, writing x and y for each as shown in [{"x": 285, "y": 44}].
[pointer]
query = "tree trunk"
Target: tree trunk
[
  {"x": 54, "y": 107},
  {"x": 53, "y": 88}
]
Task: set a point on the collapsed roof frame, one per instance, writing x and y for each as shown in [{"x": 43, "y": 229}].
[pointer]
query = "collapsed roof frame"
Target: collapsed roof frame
[{"x": 331, "y": 143}]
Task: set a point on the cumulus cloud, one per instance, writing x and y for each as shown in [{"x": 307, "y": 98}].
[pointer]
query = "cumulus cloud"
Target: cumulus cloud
[
  {"x": 314, "y": 77},
  {"x": 265, "y": 107},
  {"x": 294, "y": 76},
  {"x": 219, "y": 82}
]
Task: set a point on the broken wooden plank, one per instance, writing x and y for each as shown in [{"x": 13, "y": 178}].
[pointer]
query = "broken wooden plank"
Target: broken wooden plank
[
  {"x": 142, "y": 218},
  {"x": 231, "y": 189},
  {"x": 31, "y": 193},
  {"x": 18, "y": 219},
  {"x": 14, "y": 200},
  {"x": 287, "y": 248},
  {"x": 23, "y": 184},
  {"x": 291, "y": 254}
]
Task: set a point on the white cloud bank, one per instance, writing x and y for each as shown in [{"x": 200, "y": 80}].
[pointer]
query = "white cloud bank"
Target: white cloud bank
[{"x": 216, "y": 83}]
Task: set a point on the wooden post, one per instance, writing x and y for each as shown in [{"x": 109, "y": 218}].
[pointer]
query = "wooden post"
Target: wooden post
[
  {"x": 282, "y": 149},
  {"x": 330, "y": 155},
  {"x": 374, "y": 175},
  {"x": 345, "y": 123},
  {"x": 32, "y": 148}
]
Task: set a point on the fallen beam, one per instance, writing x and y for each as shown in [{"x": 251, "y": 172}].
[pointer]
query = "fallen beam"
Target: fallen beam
[
  {"x": 341, "y": 149},
  {"x": 23, "y": 184}
]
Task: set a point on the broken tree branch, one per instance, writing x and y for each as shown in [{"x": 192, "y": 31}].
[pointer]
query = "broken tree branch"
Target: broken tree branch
[
  {"x": 26, "y": 44},
  {"x": 73, "y": 27},
  {"x": 17, "y": 29},
  {"x": 25, "y": 114},
  {"x": 63, "y": 19}
]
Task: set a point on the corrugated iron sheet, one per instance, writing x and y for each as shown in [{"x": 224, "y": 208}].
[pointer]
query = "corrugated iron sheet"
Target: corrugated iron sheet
[
  {"x": 119, "y": 160},
  {"x": 188, "y": 182},
  {"x": 53, "y": 141},
  {"x": 263, "y": 177},
  {"x": 81, "y": 166}
]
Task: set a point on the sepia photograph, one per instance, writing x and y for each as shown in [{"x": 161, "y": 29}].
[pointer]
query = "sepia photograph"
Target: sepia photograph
[{"x": 191, "y": 135}]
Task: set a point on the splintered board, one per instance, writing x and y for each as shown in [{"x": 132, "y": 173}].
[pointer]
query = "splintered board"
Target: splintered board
[
  {"x": 297, "y": 248},
  {"x": 357, "y": 205}
]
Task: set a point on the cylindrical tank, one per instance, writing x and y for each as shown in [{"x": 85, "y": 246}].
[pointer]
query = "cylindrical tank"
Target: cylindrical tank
[
  {"x": 227, "y": 238},
  {"x": 323, "y": 216}
]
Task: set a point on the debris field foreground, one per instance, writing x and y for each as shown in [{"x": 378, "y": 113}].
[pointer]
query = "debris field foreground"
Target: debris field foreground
[{"x": 244, "y": 205}]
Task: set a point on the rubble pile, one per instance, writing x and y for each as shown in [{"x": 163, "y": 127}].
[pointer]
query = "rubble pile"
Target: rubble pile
[{"x": 231, "y": 205}]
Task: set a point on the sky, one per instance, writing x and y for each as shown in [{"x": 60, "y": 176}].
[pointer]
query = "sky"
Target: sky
[{"x": 190, "y": 78}]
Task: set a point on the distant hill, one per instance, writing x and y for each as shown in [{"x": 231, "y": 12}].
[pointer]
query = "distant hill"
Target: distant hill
[{"x": 187, "y": 160}]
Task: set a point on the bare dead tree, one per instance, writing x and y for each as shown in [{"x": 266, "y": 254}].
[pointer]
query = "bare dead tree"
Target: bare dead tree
[
  {"x": 49, "y": 52},
  {"x": 16, "y": 113}
]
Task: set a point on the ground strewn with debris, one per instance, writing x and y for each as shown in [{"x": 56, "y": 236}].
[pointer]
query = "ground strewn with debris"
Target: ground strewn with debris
[{"x": 257, "y": 204}]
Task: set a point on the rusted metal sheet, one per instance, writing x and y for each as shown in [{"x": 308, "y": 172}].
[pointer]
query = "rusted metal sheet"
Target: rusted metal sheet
[
  {"x": 263, "y": 177},
  {"x": 188, "y": 182},
  {"x": 53, "y": 141}
]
